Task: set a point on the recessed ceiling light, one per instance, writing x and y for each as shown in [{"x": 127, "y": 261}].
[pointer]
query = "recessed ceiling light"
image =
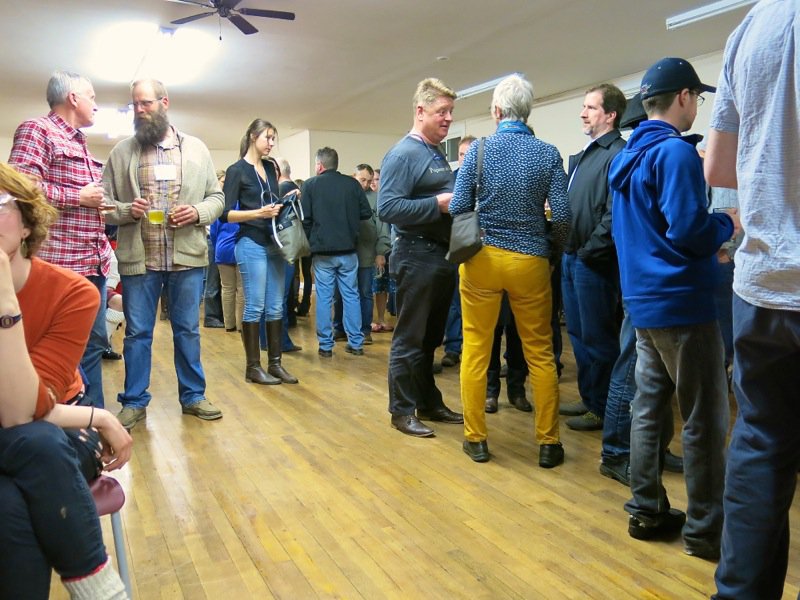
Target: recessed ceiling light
[{"x": 442, "y": 58}]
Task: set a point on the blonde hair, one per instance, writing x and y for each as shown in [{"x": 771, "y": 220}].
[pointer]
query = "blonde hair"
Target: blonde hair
[
  {"x": 37, "y": 214},
  {"x": 428, "y": 90}
]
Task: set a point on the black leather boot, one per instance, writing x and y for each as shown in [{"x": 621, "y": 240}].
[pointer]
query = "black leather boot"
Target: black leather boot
[
  {"x": 274, "y": 368},
  {"x": 254, "y": 373}
]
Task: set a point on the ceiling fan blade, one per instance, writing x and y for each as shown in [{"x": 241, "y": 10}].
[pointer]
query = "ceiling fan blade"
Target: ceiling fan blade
[
  {"x": 192, "y": 18},
  {"x": 229, "y": 3},
  {"x": 203, "y": 4},
  {"x": 272, "y": 14},
  {"x": 240, "y": 22}
]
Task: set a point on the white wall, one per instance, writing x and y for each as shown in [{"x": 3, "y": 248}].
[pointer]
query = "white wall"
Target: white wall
[
  {"x": 556, "y": 120},
  {"x": 353, "y": 148}
]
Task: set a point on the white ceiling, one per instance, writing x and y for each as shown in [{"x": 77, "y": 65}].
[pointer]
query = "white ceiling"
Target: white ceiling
[{"x": 350, "y": 65}]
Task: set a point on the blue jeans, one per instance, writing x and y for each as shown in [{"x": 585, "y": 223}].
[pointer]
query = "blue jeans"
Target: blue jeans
[
  {"x": 263, "y": 271},
  {"x": 140, "y": 301},
  {"x": 764, "y": 454},
  {"x": 689, "y": 363},
  {"x": 425, "y": 282},
  {"x": 590, "y": 305},
  {"x": 49, "y": 518},
  {"x": 331, "y": 272},
  {"x": 621, "y": 389},
  {"x": 723, "y": 298},
  {"x": 365, "y": 297},
  {"x": 92, "y": 360},
  {"x": 453, "y": 335}
]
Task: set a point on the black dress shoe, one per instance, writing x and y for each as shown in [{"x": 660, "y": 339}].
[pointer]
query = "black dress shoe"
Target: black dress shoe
[
  {"x": 491, "y": 405},
  {"x": 442, "y": 415},
  {"x": 669, "y": 525},
  {"x": 325, "y": 353},
  {"x": 292, "y": 348},
  {"x": 521, "y": 403},
  {"x": 109, "y": 354},
  {"x": 477, "y": 451},
  {"x": 551, "y": 455},
  {"x": 411, "y": 425},
  {"x": 355, "y": 351}
]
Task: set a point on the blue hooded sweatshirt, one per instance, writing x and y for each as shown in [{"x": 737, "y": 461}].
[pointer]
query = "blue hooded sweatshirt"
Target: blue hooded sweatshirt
[{"x": 666, "y": 240}]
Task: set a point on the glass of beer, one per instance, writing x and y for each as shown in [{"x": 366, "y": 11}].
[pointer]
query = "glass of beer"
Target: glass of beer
[{"x": 156, "y": 216}]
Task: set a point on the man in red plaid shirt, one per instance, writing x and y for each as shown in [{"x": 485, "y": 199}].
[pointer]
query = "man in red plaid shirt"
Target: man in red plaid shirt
[{"x": 53, "y": 150}]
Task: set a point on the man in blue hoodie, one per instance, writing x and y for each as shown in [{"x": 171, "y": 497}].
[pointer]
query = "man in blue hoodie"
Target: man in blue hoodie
[{"x": 666, "y": 245}]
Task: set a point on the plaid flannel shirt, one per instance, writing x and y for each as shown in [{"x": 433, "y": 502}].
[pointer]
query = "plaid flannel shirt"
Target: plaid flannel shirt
[{"x": 55, "y": 153}]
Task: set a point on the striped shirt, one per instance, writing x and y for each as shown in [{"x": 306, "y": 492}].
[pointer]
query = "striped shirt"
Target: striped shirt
[{"x": 52, "y": 151}]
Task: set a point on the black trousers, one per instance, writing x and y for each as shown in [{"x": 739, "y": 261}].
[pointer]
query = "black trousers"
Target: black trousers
[{"x": 425, "y": 284}]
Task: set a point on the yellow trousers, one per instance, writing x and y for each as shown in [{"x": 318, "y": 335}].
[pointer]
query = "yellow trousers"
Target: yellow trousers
[{"x": 527, "y": 280}]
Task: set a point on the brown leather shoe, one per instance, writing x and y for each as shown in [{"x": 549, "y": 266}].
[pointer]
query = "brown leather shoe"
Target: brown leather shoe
[
  {"x": 491, "y": 405},
  {"x": 521, "y": 403},
  {"x": 411, "y": 425},
  {"x": 443, "y": 415}
]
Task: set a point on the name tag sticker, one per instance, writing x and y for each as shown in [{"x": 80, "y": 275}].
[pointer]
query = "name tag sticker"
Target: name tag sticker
[{"x": 165, "y": 172}]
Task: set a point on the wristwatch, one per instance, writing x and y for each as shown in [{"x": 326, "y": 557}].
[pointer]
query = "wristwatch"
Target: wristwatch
[{"x": 8, "y": 321}]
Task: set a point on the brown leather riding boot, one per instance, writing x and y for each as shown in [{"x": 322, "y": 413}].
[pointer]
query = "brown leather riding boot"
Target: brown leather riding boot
[
  {"x": 252, "y": 351},
  {"x": 274, "y": 368}
]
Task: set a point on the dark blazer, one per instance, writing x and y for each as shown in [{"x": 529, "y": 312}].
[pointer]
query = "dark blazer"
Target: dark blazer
[
  {"x": 590, "y": 201},
  {"x": 333, "y": 205}
]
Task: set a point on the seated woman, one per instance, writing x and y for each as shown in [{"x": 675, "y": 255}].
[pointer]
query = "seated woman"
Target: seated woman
[
  {"x": 46, "y": 313},
  {"x": 520, "y": 172}
]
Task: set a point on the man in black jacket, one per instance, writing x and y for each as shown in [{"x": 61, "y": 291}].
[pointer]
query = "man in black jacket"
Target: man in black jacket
[
  {"x": 333, "y": 205},
  {"x": 590, "y": 276}
]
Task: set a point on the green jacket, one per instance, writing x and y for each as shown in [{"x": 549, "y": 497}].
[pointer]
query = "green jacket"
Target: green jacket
[{"x": 199, "y": 187}]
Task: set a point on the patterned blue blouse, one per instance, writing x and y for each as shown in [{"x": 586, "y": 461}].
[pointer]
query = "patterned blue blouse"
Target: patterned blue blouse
[{"x": 520, "y": 172}]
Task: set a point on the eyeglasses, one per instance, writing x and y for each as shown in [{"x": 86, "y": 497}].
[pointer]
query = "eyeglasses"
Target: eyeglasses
[
  {"x": 145, "y": 104},
  {"x": 700, "y": 99}
]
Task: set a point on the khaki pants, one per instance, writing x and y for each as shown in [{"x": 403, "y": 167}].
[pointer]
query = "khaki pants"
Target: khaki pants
[{"x": 232, "y": 296}]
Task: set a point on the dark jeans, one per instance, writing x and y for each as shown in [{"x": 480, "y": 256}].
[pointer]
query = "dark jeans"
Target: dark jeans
[
  {"x": 92, "y": 360},
  {"x": 49, "y": 518},
  {"x": 621, "y": 389},
  {"x": 723, "y": 298},
  {"x": 764, "y": 453},
  {"x": 212, "y": 293},
  {"x": 590, "y": 305},
  {"x": 453, "y": 335},
  {"x": 305, "y": 269},
  {"x": 517, "y": 367},
  {"x": 425, "y": 283}
]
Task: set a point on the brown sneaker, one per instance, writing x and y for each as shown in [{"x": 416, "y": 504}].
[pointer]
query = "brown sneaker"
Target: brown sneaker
[
  {"x": 203, "y": 410},
  {"x": 128, "y": 417}
]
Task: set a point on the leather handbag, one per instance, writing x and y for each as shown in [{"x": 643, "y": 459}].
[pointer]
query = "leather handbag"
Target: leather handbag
[
  {"x": 466, "y": 238},
  {"x": 287, "y": 230}
]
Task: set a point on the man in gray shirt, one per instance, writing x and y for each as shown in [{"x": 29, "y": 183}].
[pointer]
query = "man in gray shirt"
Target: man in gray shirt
[{"x": 754, "y": 144}]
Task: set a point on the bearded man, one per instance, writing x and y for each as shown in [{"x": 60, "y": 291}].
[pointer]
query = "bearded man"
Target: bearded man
[{"x": 165, "y": 191}]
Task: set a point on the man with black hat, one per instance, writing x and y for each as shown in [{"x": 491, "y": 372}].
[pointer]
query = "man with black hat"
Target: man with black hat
[{"x": 666, "y": 245}]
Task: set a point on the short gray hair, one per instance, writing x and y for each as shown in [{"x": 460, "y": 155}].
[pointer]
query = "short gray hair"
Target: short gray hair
[
  {"x": 286, "y": 169},
  {"x": 61, "y": 84},
  {"x": 514, "y": 97},
  {"x": 159, "y": 89},
  {"x": 328, "y": 158}
]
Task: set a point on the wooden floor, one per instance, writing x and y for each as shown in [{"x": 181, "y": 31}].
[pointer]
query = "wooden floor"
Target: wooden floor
[{"x": 304, "y": 491}]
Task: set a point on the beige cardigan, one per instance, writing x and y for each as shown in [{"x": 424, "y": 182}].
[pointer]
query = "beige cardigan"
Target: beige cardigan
[{"x": 199, "y": 187}]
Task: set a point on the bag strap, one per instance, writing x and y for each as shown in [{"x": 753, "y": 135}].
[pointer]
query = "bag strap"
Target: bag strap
[{"x": 479, "y": 175}]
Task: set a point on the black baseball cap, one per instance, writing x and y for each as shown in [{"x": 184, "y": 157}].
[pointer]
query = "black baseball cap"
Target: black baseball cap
[{"x": 671, "y": 75}]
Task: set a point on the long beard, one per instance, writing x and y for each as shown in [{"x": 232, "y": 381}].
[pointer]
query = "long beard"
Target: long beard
[{"x": 151, "y": 129}]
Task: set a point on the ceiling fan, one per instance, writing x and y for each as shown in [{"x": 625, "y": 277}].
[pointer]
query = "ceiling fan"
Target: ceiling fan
[{"x": 227, "y": 9}]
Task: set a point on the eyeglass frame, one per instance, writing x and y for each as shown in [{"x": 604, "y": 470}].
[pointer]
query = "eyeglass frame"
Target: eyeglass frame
[
  {"x": 700, "y": 98},
  {"x": 145, "y": 104}
]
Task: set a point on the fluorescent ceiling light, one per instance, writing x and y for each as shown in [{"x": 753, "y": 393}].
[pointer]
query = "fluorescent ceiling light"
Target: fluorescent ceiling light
[
  {"x": 705, "y": 12},
  {"x": 112, "y": 123},
  {"x": 486, "y": 86}
]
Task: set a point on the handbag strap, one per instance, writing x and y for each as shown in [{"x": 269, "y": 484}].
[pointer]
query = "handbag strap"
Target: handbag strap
[{"x": 478, "y": 175}]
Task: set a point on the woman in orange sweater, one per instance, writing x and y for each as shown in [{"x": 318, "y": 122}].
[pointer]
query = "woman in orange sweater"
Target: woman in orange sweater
[{"x": 47, "y": 438}]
